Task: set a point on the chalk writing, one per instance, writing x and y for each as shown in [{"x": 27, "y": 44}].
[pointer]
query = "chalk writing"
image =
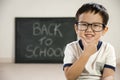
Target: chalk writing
[
  {"x": 46, "y": 52},
  {"x": 46, "y": 41},
  {"x": 44, "y": 30}
]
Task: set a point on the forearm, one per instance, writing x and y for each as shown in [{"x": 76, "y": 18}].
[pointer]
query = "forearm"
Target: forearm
[
  {"x": 76, "y": 69},
  {"x": 108, "y": 74},
  {"x": 108, "y": 78}
]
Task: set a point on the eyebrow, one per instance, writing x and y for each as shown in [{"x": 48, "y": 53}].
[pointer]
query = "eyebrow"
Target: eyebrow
[{"x": 91, "y": 23}]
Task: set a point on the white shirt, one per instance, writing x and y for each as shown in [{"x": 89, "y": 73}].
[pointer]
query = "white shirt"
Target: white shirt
[{"x": 104, "y": 57}]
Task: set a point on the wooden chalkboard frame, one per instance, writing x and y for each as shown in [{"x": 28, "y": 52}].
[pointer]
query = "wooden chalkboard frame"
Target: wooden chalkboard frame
[{"x": 21, "y": 38}]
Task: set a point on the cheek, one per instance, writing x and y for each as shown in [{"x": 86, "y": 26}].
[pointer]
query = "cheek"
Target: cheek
[
  {"x": 99, "y": 35},
  {"x": 80, "y": 33}
]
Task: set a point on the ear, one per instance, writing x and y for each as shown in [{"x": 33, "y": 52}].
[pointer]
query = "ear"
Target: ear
[
  {"x": 76, "y": 28},
  {"x": 105, "y": 30}
]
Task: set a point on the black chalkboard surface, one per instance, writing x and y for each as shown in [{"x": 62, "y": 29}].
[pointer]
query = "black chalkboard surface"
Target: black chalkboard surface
[{"x": 42, "y": 40}]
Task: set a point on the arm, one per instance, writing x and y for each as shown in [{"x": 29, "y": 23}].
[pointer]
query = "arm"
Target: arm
[
  {"x": 109, "y": 68},
  {"x": 108, "y": 74},
  {"x": 77, "y": 67}
]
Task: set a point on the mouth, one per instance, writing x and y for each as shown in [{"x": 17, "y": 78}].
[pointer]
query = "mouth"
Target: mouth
[{"x": 89, "y": 36}]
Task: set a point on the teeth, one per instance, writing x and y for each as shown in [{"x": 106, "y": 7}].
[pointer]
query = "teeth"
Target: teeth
[{"x": 89, "y": 35}]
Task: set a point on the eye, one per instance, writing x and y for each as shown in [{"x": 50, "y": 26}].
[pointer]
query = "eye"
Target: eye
[
  {"x": 84, "y": 24},
  {"x": 96, "y": 25}
]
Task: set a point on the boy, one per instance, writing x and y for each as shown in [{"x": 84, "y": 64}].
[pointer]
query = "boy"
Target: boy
[{"x": 89, "y": 58}]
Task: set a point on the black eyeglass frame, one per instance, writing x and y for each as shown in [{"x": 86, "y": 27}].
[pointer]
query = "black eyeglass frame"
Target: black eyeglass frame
[{"x": 103, "y": 26}]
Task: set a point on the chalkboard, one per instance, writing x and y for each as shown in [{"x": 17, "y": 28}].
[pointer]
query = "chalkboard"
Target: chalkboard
[{"x": 42, "y": 40}]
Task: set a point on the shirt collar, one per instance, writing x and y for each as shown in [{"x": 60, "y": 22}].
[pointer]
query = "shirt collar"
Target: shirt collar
[{"x": 98, "y": 46}]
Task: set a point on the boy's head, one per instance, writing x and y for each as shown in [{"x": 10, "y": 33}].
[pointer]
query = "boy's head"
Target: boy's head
[
  {"x": 91, "y": 23},
  {"x": 95, "y": 8}
]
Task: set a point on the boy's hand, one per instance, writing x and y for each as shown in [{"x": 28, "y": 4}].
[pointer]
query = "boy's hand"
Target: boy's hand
[{"x": 90, "y": 47}]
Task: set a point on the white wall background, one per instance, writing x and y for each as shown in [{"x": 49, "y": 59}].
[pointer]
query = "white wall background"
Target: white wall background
[{"x": 9, "y": 9}]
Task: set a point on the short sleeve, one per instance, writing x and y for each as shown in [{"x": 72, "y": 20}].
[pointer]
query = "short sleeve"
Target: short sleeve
[
  {"x": 69, "y": 56},
  {"x": 111, "y": 57}
]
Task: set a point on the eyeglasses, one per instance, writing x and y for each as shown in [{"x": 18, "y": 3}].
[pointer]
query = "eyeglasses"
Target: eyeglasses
[{"x": 97, "y": 27}]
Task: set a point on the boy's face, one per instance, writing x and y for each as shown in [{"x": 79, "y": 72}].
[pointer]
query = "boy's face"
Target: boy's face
[{"x": 89, "y": 34}]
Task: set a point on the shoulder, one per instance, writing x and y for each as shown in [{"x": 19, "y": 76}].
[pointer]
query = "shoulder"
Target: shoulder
[
  {"x": 107, "y": 45},
  {"x": 74, "y": 43},
  {"x": 108, "y": 50},
  {"x": 72, "y": 47}
]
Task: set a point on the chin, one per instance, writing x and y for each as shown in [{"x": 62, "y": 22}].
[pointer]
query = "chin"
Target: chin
[{"x": 89, "y": 40}]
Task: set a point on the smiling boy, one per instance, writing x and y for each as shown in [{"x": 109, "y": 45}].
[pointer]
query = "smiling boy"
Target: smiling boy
[{"x": 90, "y": 58}]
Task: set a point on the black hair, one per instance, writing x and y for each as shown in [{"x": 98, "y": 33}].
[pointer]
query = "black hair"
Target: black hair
[{"x": 96, "y": 8}]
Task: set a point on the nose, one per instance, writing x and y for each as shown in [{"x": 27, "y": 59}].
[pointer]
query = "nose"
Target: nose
[{"x": 89, "y": 28}]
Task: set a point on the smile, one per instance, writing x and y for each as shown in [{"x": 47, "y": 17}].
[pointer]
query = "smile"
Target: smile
[{"x": 89, "y": 35}]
